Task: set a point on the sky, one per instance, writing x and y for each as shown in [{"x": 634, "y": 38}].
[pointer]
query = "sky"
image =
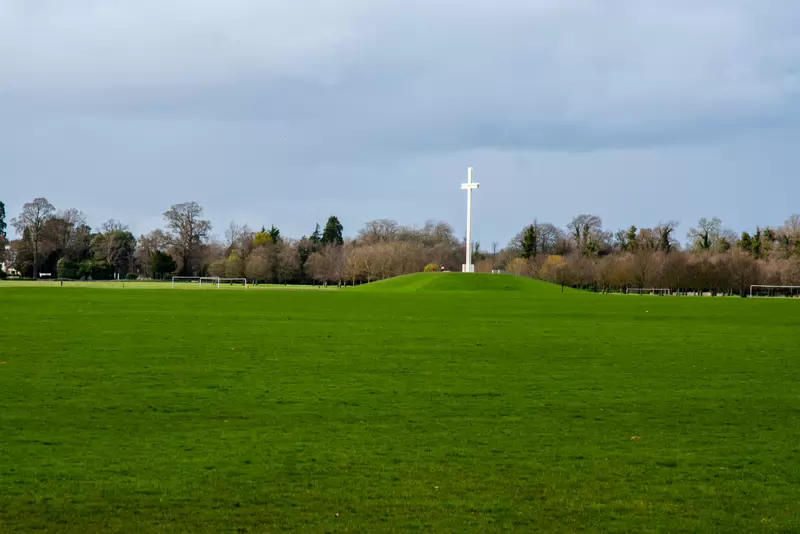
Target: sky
[{"x": 286, "y": 112}]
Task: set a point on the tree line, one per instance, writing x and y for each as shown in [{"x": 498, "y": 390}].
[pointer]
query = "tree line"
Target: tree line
[
  {"x": 714, "y": 259},
  {"x": 60, "y": 244},
  {"x": 584, "y": 254}
]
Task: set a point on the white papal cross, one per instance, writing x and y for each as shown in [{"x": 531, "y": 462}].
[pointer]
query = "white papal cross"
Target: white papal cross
[{"x": 469, "y": 186}]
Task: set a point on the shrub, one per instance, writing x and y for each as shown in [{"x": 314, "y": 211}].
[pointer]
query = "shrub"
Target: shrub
[
  {"x": 161, "y": 264},
  {"x": 131, "y": 276},
  {"x": 2, "y": 274},
  {"x": 96, "y": 270},
  {"x": 431, "y": 268},
  {"x": 67, "y": 269},
  {"x": 519, "y": 266}
]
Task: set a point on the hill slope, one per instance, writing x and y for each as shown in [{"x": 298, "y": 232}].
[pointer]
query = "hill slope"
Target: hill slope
[{"x": 461, "y": 282}]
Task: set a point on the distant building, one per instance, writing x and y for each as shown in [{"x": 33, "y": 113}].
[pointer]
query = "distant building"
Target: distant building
[{"x": 5, "y": 266}]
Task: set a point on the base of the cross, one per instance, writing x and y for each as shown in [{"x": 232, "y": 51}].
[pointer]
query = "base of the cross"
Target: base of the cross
[{"x": 467, "y": 268}]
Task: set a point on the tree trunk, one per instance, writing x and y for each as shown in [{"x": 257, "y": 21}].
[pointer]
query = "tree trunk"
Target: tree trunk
[{"x": 35, "y": 259}]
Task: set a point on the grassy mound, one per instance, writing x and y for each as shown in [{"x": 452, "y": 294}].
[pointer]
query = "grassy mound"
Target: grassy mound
[{"x": 461, "y": 282}]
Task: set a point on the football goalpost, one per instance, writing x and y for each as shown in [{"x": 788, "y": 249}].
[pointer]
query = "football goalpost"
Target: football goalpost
[
  {"x": 232, "y": 281},
  {"x": 208, "y": 281},
  {"x": 647, "y": 291},
  {"x": 765, "y": 291}
]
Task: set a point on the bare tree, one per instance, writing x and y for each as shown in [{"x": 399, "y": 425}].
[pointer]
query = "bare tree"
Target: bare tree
[
  {"x": 582, "y": 225},
  {"x": 647, "y": 239},
  {"x": 546, "y": 238},
  {"x": 643, "y": 265},
  {"x": 587, "y": 233},
  {"x": 743, "y": 270},
  {"x": 258, "y": 266},
  {"x": 674, "y": 274},
  {"x": 406, "y": 258},
  {"x": 357, "y": 264},
  {"x": 379, "y": 230},
  {"x": 70, "y": 222},
  {"x": 232, "y": 234},
  {"x": 116, "y": 248},
  {"x": 288, "y": 262},
  {"x": 790, "y": 272},
  {"x": 519, "y": 266},
  {"x": 665, "y": 231},
  {"x": 189, "y": 231},
  {"x": 211, "y": 251},
  {"x": 242, "y": 239},
  {"x": 328, "y": 264},
  {"x": 549, "y": 236},
  {"x": 32, "y": 220},
  {"x": 149, "y": 244},
  {"x": 706, "y": 235},
  {"x": 582, "y": 270},
  {"x": 554, "y": 269},
  {"x": 620, "y": 241},
  {"x": 727, "y": 240},
  {"x": 790, "y": 236},
  {"x": 433, "y": 233},
  {"x": 720, "y": 274},
  {"x": 113, "y": 225},
  {"x": 382, "y": 261},
  {"x": 792, "y": 227},
  {"x": 606, "y": 271},
  {"x": 217, "y": 268},
  {"x": 234, "y": 267}
]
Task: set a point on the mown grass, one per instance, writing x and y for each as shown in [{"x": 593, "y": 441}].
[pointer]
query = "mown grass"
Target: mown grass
[
  {"x": 436, "y": 410},
  {"x": 151, "y": 284},
  {"x": 440, "y": 282}
]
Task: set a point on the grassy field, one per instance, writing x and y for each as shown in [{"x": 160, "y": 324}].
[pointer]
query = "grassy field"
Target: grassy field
[
  {"x": 149, "y": 284},
  {"x": 443, "y": 403}
]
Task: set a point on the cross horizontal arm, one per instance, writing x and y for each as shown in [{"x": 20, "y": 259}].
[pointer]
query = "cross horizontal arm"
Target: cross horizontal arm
[{"x": 470, "y": 186}]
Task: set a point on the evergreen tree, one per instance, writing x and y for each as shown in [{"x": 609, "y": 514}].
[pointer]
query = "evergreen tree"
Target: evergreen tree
[
  {"x": 3, "y": 224},
  {"x": 316, "y": 237},
  {"x": 530, "y": 242},
  {"x": 746, "y": 243},
  {"x": 756, "y": 248},
  {"x": 631, "y": 241},
  {"x": 275, "y": 234},
  {"x": 161, "y": 264},
  {"x": 332, "y": 235},
  {"x": 304, "y": 250}
]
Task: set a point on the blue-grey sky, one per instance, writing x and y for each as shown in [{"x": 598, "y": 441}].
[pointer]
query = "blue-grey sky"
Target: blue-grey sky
[{"x": 286, "y": 112}]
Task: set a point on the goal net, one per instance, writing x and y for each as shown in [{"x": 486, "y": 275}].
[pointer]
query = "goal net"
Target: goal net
[
  {"x": 207, "y": 282},
  {"x": 195, "y": 282},
  {"x": 232, "y": 282},
  {"x": 648, "y": 291},
  {"x": 775, "y": 291}
]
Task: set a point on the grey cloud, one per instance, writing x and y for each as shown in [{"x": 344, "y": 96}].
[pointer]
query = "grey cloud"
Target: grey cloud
[
  {"x": 392, "y": 71},
  {"x": 174, "y": 93}
]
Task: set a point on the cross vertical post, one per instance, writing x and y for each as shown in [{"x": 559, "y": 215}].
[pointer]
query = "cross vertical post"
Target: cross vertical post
[{"x": 469, "y": 186}]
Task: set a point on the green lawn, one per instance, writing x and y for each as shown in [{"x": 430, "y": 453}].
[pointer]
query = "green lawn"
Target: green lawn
[
  {"x": 450, "y": 403},
  {"x": 149, "y": 284}
]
